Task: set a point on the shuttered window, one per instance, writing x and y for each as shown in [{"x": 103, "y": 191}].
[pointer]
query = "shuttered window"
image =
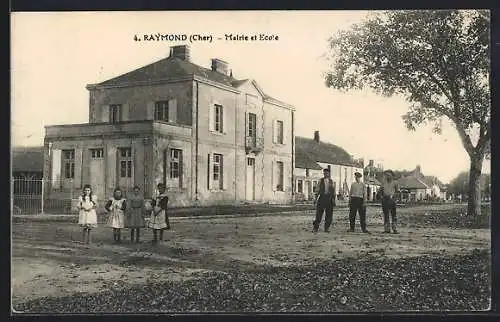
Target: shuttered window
[{"x": 69, "y": 164}]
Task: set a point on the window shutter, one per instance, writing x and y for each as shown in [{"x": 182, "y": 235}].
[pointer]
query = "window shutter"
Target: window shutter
[
  {"x": 182, "y": 182},
  {"x": 283, "y": 173},
  {"x": 285, "y": 136},
  {"x": 117, "y": 169},
  {"x": 247, "y": 125},
  {"x": 223, "y": 174},
  {"x": 275, "y": 131},
  {"x": 56, "y": 168},
  {"x": 125, "y": 112},
  {"x": 132, "y": 168},
  {"x": 172, "y": 110},
  {"x": 225, "y": 126},
  {"x": 208, "y": 172},
  {"x": 111, "y": 169},
  {"x": 273, "y": 175},
  {"x": 78, "y": 168},
  {"x": 105, "y": 113},
  {"x": 211, "y": 117},
  {"x": 150, "y": 111}
]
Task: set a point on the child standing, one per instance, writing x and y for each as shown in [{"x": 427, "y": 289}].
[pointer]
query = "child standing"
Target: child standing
[
  {"x": 159, "y": 219},
  {"x": 116, "y": 207},
  {"x": 87, "y": 217},
  {"x": 135, "y": 214}
]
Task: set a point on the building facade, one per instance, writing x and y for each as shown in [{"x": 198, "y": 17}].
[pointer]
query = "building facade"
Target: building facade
[
  {"x": 209, "y": 137},
  {"x": 312, "y": 156},
  {"x": 417, "y": 187}
]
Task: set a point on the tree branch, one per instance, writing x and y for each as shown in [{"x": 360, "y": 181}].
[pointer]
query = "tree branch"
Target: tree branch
[{"x": 438, "y": 83}]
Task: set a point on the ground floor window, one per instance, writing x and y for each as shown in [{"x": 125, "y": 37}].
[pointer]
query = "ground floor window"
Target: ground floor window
[{"x": 300, "y": 188}]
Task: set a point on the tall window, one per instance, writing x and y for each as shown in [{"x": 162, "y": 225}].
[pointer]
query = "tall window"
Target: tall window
[
  {"x": 161, "y": 111},
  {"x": 115, "y": 113},
  {"x": 175, "y": 173},
  {"x": 299, "y": 186},
  {"x": 125, "y": 162},
  {"x": 279, "y": 176},
  {"x": 217, "y": 171},
  {"x": 307, "y": 172},
  {"x": 252, "y": 124},
  {"x": 219, "y": 117},
  {"x": 279, "y": 133},
  {"x": 69, "y": 163}
]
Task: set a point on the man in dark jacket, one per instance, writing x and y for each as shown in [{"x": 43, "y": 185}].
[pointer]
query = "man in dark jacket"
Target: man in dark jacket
[{"x": 325, "y": 201}]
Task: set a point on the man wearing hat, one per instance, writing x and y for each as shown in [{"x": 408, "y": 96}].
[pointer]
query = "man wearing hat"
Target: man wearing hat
[
  {"x": 357, "y": 203},
  {"x": 387, "y": 191},
  {"x": 325, "y": 201}
]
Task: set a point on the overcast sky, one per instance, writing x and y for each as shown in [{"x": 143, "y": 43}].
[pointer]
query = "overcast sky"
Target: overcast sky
[{"x": 54, "y": 55}]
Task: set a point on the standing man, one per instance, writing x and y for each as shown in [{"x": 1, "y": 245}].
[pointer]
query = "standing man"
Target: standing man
[
  {"x": 325, "y": 202},
  {"x": 387, "y": 192},
  {"x": 357, "y": 203}
]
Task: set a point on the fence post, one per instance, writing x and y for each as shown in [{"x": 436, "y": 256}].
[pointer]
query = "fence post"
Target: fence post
[{"x": 43, "y": 195}]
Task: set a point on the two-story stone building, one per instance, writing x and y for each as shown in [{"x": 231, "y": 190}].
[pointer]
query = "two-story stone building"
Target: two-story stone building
[{"x": 210, "y": 137}]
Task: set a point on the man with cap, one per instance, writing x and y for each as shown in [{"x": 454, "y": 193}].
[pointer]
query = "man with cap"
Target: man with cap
[
  {"x": 387, "y": 192},
  {"x": 325, "y": 201},
  {"x": 357, "y": 203}
]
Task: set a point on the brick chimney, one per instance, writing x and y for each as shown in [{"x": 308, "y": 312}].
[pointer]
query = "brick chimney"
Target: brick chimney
[
  {"x": 181, "y": 51},
  {"x": 316, "y": 136},
  {"x": 220, "y": 66},
  {"x": 371, "y": 163},
  {"x": 419, "y": 169}
]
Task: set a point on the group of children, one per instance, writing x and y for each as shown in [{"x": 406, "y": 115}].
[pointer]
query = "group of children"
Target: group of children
[{"x": 124, "y": 212}]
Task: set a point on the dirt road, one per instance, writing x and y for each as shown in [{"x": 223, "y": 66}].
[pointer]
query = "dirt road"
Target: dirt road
[{"x": 49, "y": 260}]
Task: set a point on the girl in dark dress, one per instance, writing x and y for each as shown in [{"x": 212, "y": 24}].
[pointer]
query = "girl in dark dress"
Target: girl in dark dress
[{"x": 135, "y": 214}]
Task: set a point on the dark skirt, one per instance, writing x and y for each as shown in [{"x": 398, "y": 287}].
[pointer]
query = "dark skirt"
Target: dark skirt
[{"x": 134, "y": 218}]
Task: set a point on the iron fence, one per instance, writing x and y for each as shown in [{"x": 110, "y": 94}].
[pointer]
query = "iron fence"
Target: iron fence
[{"x": 29, "y": 196}]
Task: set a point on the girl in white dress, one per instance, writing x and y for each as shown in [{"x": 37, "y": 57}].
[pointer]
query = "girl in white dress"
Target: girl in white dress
[
  {"x": 87, "y": 217},
  {"x": 116, "y": 207}
]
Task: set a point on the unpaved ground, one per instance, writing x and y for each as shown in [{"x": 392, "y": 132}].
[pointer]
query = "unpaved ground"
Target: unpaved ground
[{"x": 49, "y": 260}]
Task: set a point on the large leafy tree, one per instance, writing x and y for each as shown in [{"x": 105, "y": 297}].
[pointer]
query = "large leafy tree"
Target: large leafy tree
[{"x": 439, "y": 61}]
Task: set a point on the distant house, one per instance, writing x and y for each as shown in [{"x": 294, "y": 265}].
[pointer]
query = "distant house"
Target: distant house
[
  {"x": 312, "y": 156},
  {"x": 307, "y": 174},
  {"x": 416, "y": 186},
  {"x": 27, "y": 162}
]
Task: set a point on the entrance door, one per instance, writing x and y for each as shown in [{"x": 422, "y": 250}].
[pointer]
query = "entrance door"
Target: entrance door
[
  {"x": 96, "y": 170},
  {"x": 250, "y": 192}
]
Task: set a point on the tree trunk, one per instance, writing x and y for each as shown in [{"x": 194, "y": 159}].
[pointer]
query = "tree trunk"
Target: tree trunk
[{"x": 474, "y": 191}]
